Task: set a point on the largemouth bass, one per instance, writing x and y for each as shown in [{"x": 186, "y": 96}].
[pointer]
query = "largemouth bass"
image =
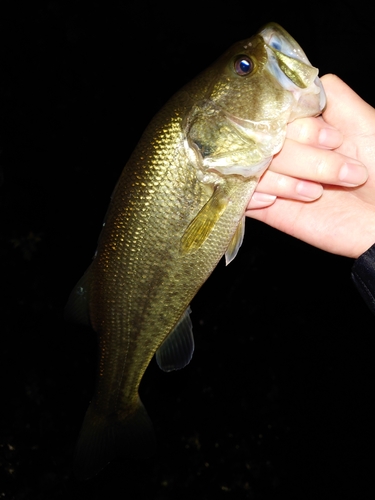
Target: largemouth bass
[{"x": 177, "y": 209}]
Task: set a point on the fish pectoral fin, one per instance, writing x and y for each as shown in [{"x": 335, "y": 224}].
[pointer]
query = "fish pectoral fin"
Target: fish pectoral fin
[
  {"x": 77, "y": 307},
  {"x": 236, "y": 242},
  {"x": 201, "y": 226},
  {"x": 177, "y": 349}
]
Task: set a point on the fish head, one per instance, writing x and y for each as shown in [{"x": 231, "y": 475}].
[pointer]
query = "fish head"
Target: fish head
[
  {"x": 288, "y": 63},
  {"x": 255, "y": 89},
  {"x": 267, "y": 76}
]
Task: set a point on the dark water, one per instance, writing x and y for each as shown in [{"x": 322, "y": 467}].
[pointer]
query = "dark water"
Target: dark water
[{"x": 278, "y": 401}]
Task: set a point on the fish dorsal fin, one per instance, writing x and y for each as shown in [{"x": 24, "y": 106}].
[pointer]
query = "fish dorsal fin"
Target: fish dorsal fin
[
  {"x": 201, "y": 226},
  {"x": 77, "y": 307},
  {"x": 177, "y": 349},
  {"x": 236, "y": 242}
]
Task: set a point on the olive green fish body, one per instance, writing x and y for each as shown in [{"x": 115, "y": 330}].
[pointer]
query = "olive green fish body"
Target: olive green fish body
[
  {"x": 140, "y": 266},
  {"x": 177, "y": 209}
]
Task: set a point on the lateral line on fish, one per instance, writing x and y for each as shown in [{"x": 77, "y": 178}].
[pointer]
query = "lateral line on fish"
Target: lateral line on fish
[{"x": 128, "y": 326}]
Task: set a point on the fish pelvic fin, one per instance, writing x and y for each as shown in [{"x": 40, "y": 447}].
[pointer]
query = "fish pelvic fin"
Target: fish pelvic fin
[
  {"x": 202, "y": 225},
  {"x": 104, "y": 438},
  {"x": 236, "y": 242}
]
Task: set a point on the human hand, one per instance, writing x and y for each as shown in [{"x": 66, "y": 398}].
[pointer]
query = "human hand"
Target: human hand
[{"x": 331, "y": 151}]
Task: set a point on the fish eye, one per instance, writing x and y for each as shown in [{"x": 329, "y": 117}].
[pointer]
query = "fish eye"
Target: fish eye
[{"x": 243, "y": 65}]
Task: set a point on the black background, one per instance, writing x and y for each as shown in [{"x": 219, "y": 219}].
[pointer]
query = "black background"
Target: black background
[{"x": 278, "y": 401}]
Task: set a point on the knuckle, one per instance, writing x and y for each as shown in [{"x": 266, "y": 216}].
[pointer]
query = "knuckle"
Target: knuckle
[{"x": 303, "y": 130}]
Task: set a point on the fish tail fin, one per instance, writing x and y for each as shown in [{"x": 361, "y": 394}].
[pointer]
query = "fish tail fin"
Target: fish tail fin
[{"x": 105, "y": 438}]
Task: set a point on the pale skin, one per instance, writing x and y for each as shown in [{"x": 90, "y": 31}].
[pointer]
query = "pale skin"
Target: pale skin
[{"x": 321, "y": 187}]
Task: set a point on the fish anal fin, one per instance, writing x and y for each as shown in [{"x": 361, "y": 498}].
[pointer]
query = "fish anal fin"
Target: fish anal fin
[
  {"x": 105, "y": 438},
  {"x": 201, "y": 226},
  {"x": 236, "y": 242},
  {"x": 177, "y": 349}
]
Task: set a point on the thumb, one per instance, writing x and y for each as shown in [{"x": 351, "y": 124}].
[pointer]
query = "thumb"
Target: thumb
[{"x": 345, "y": 109}]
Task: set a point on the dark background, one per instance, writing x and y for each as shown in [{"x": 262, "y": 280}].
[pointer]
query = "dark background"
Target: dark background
[{"x": 278, "y": 401}]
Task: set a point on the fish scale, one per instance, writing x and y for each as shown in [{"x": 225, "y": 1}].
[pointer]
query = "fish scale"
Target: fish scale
[{"x": 178, "y": 207}]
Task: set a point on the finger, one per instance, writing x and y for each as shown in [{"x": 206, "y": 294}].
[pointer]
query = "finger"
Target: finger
[
  {"x": 261, "y": 200},
  {"x": 314, "y": 132},
  {"x": 345, "y": 108},
  {"x": 318, "y": 165},
  {"x": 337, "y": 223},
  {"x": 274, "y": 185}
]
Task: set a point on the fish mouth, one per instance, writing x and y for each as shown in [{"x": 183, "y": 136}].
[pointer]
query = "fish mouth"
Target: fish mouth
[{"x": 288, "y": 63}]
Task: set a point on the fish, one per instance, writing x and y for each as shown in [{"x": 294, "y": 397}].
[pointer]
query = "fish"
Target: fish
[{"x": 177, "y": 209}]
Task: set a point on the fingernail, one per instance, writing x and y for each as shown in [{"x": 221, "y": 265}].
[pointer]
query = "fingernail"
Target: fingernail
[
  {"x": 266, "y": 198},
  {"x": 330, "y": 138},
  {"x": 352, "y": 174},
  {"x": 309, "y": 190},
  {"x": 260, "y": 200}
]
